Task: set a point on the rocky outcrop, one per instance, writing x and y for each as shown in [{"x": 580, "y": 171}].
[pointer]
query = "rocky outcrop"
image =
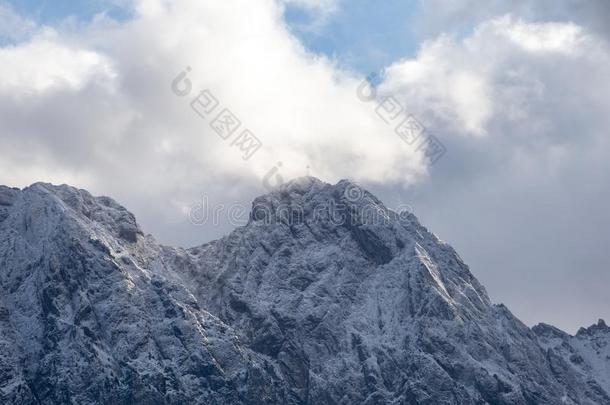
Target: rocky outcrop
[{"x": 324, "y": 297}]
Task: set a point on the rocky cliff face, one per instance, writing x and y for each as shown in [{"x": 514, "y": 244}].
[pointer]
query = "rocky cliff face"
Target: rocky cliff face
[
  {"x": 90, "y": 313},
  {"x": 324, "y": 297}
]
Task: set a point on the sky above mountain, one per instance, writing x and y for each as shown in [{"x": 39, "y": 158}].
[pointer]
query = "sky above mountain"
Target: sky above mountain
[{"x": 517, "y": 92}]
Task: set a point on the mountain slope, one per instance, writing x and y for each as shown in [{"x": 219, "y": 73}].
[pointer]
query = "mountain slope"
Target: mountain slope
[
  {"x": 93, "y": 315},
  {"x": 324, "y": 297}
]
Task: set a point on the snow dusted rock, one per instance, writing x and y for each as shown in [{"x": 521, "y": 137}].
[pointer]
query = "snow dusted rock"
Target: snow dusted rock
[
  {"x": 91, "y": 314},
  {"x": 324, "y": 297},
  {"x": 358, "y": 304},
  {"x": 7, "y": 198},
  {"x": 587, "y": 353}
]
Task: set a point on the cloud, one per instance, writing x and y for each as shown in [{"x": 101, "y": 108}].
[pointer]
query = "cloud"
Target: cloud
[
  {"x": 44, "y": 64},
  {"x": 324, "y": 6},
  {"x": 520, "y": 101},
  {"x": 460, "y": 16},
  {"x": 311, "y": 16},
  {"x": 546, "y": 37},
  {"x": 504, "y": 73},
  {"x": 94, "y": 102},
  {"x": 452, "y": 89},
  {"x": 13, "y": 27},
  {"x": 524, "y": 109}
]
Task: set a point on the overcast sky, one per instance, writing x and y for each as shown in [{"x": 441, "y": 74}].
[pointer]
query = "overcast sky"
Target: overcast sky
[{"x": 518, "y": 92}]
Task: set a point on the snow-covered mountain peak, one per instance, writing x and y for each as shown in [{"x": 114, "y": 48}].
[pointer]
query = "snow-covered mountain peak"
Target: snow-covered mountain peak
[
  {"x": 63, "y": 201},
  {"x": 547, "y": 331},
  {"x": 324, "y": 297},
  {"x": 600, "y": 328},
  {"x": 304, "y": 189}
]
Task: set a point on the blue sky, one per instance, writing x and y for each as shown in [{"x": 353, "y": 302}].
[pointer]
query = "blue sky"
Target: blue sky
[
  {"x": 384, "y": 34},
  {"x": 364, "y": 36},
  {"x": 49, "y": 12}
]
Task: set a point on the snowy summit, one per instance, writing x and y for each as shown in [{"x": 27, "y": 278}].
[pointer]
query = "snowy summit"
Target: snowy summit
[{"x": 324, "y": 297}]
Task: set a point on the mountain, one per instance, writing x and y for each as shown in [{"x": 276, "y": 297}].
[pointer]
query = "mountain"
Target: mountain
[{"x": 324, "y": 297}]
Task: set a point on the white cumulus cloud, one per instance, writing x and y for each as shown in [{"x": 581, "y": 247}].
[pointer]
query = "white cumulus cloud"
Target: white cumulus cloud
[{"x": 104, "y": 108}]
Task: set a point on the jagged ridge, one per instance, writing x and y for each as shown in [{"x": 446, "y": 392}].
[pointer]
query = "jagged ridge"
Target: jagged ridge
[{"x": 324, "y": 297}]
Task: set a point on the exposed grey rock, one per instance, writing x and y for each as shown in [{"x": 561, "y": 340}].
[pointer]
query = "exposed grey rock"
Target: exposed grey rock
[
  {"x": 324, "y": 297},
  {"x": 94, "y": 317}
]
